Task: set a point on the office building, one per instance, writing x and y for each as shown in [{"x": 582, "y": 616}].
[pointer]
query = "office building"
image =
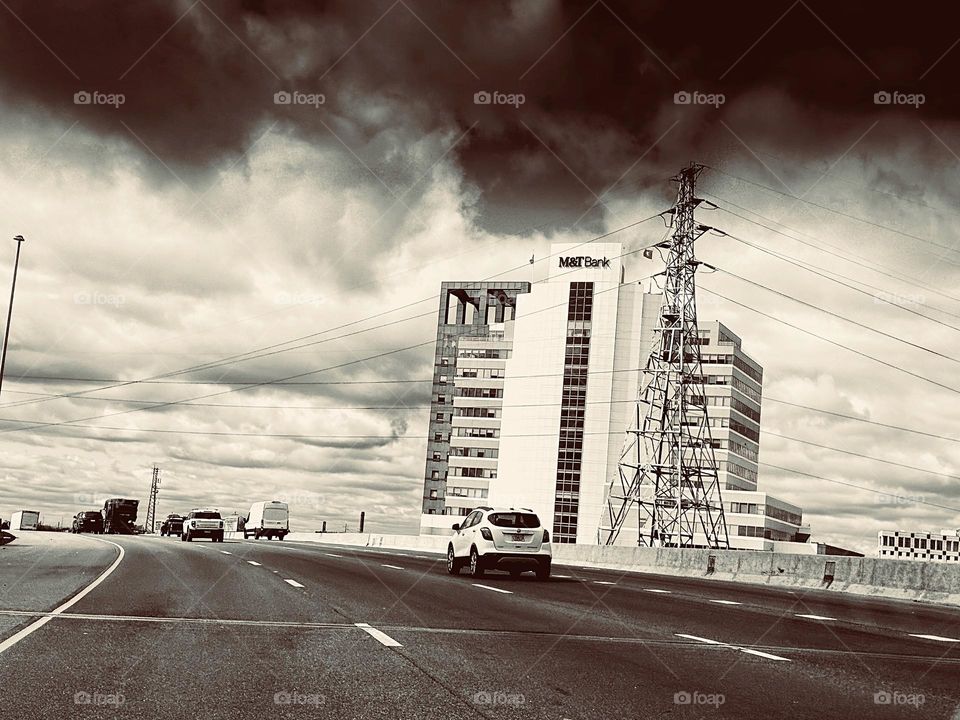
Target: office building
[
  {"x": 943, "y": 546},
  {"x": 473, "y": 330},
  {"x": 541, "y": 402}
]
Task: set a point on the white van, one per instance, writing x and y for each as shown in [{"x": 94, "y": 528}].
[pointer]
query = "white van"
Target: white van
[{"x": 267, "y": 519}]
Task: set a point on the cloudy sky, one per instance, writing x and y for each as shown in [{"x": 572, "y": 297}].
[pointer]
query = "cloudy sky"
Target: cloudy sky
[{"x": 268, "y": 269}]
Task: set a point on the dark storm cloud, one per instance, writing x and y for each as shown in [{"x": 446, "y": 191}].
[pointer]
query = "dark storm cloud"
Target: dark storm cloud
[{"x": 598, "y": 79}]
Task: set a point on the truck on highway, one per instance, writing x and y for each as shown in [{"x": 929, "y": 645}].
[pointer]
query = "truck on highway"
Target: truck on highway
[
  {"x": 120, "y": 516},
  {"x": 25, "y": 520},
  {"x": 202, "y": 522},
  {"x": 269, "y": 519}
]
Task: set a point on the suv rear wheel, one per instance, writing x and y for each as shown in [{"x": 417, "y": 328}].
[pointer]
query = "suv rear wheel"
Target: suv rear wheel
[
  {"x": 543, "y": 572},
  {"x": 476, "y": 563}
]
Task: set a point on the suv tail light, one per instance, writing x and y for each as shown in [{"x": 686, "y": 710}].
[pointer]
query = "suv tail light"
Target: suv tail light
[
  {"x": 487, "y": 535},
  {"x": 546, "y": 535}
]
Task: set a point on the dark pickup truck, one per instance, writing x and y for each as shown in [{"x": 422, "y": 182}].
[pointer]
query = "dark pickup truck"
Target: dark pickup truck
[
  {"x": 173, "y": 525},
  {"x": 90, "y": 521}
]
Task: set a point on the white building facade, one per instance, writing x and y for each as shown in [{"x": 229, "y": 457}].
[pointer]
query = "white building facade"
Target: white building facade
[{"x": 943, "y": 546}]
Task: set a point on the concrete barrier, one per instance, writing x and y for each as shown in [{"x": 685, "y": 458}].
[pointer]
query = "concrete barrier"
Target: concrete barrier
[
  {"x": 900, "y": 579},
  {"x": 897, "y": 579}
]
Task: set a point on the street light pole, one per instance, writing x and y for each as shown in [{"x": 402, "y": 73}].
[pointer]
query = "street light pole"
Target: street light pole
[{"x": 13, "y": 288}]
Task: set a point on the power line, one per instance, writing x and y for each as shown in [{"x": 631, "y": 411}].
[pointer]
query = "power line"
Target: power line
[
  {"x": 861, "y": 455},
  {"x": 846, "y": 215},
  {"x": 186, "y": 401},
  {"x": 767, "y": 398},
  {"x": 891, "y": 274},
  {"x": 859, "y": 487},
  {"x": 826, "y": 275},
  {"x": 834, "y": 342},
  {"x": 273, "y": 349},
  {"x": 924, "y": 348}
]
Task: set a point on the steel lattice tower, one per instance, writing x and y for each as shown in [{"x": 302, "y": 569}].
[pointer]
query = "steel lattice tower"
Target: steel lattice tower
[
  {"x": 668, "y": 470},
  {"x": 152, "y": 504}
]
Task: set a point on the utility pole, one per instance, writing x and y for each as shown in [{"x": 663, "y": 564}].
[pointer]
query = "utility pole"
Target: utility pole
[
  {"x": 362, "y": 516},
  {"x": 6, "y": 333},
  {"x": 152, "y": 504},
  {"x": 667, "y": 476}
]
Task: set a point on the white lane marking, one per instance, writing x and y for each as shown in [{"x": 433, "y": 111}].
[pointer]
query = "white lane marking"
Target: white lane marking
[
  {"x": 400, "y": 555},
  {"x": 602, "y": 582},
  {"x": 938, "y": 638},
  {"x": 253, "y": 563},
  {"x": 395, "y": 567},
  {"x": 815, "y": 617},
  {"x": 487, "y": 587},
  {"x": 421, "y": 557},
  {"x": 749, "y": 651},
  {"x": 700, "y": 639},
  {"x": 226, "y": 553},
  {"x": 726, "y": 602},
  {"x": 565, "y": 577},
  {"x": 381, "y": 636},
  {"x": 332, "y": 555},
  {"x": 768, "y": 656},
  {"x": 656, "y": 590},
  {"x": 33, "y": 627},
  {"x": 292, "y": 582}
]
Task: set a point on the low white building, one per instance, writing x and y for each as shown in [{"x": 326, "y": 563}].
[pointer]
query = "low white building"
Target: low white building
[{"x": 943, "y": 546}]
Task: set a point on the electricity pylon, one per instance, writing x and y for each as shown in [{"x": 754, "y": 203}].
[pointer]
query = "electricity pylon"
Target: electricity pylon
[
  {"x": 152, "y": 504},
  {"x": 667, "y": 475}
]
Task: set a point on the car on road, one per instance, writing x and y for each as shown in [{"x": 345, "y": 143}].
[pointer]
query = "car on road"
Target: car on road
[
  {"x": 172, "y": 525},
  {"x": 267, "y": 519},
  {"x": 202, "y": 522},
  {"x": 510, "y": 539},
  {"x": 87, "y": 521}
]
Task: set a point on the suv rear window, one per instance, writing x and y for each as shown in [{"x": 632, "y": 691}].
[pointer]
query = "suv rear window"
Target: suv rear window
[
  {"x": 514, "y": 520},
  {"x": 206, "y": 515}
]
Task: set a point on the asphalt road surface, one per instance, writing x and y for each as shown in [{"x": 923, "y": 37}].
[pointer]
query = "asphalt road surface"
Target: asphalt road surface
[{"x": 262, "y": 629}]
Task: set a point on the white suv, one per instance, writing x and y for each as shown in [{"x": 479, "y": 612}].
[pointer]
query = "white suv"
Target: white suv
[
  {"x": 202, "y": 523},
  {"x": 509, "y": 539}
]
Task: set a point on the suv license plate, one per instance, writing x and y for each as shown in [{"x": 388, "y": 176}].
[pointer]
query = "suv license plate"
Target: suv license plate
[{"x": 518, "y": 538}]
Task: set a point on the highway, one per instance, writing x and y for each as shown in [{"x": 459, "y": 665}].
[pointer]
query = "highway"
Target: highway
[{"x": 254, "y": 629}]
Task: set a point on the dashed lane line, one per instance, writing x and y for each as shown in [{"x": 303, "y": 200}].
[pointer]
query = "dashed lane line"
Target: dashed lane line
[
  {"x": 938, "y": 638},
  {"x": 603, "y": 582},
  {"x": 394, "y": 567},
  {"x": 34, "y": 626},
  {"x": 815, "y": 617},
  {"x": 495, "y": 589},
  {"x": 749, "y": 651},
  {"x": 726, "y": 602},
  {"x": 333, "y": 555},
  {"x": 226, "y": 553},
  {"x": 294, "y": 583},
  {"x": 254, "y": 562},
  {"x": 657, "y": 590},
  {"x": 379, "y": 635}
]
